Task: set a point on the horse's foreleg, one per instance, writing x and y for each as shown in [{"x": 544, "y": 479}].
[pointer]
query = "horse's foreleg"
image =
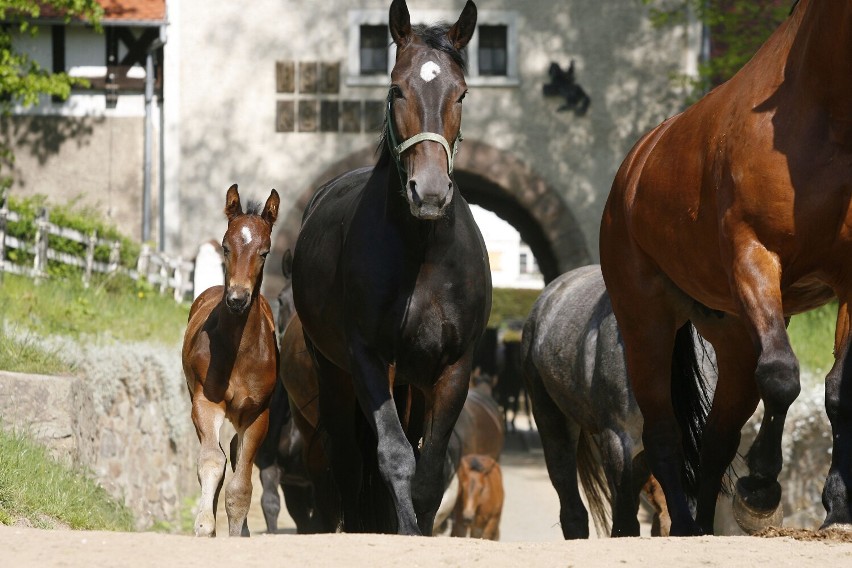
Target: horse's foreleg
[
  {"x": 267, "y": 458},
  {"x": 208, "y": 419},
  {"x": 270, "y": 501},
  {"x": 444, "y": 403},
  {"x": 238, "y": 492},
  {"x": 837, "y": 493},
  {"x": 756, "y": 280}
]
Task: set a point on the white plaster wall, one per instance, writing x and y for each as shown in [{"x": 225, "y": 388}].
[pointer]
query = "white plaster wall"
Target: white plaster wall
[{"x": 227, "y": 98}]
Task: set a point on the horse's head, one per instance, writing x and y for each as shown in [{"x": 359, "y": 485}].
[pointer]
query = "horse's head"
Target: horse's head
[
  {"x": 473, "y": 473},
  {"x": 425, "y": 106},
  {"x": 286, "y": 308},
  {"x": 245, "y": 246}
]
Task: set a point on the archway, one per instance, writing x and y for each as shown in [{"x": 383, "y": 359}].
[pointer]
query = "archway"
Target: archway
[{"x": 493, "y": 179}]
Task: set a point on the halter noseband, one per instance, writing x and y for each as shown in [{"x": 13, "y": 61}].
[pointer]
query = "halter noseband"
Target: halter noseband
[{"x": 397, "y": 149}]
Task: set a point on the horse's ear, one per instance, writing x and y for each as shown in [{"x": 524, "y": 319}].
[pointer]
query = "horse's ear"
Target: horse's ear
[
  {"x": 232, "y": 203},
  {"x": 270, "y": 210},
  {"x": 461, "y": 32},
  {"x": 287, "y": 264},
  {"x": 399, "y": 23}
]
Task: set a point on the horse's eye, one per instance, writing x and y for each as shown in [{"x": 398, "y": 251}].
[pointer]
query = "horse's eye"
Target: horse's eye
[
  {"x": 396, "y": 92},
  {"x": 225, "y": 250},
  {"x": 461, "y": 98},
  {"x": 263, "y": 254}
]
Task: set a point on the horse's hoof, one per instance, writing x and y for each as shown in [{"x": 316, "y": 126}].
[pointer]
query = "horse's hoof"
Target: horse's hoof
[
  {"x": 205, "y": 524},
  {"x": 757, "y": 504}
]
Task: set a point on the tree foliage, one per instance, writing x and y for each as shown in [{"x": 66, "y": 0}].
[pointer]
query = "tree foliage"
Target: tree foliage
[
  {"x": 737, "y": 28},
  {"x": 22, "y": 79}
]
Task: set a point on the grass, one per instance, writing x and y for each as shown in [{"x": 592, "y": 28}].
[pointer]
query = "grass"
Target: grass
[
  {"x": 26, "y": 355},
  {"x": 112, "y": 308},
  {"x": 812, "y": 337},
  {"x": 48, "y": 494}
]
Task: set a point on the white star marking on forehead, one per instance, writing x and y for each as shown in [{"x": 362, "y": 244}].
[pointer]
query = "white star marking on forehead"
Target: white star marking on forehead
[
  {"x": 429, "y": 71},
  {"x": 246, "y": 233}
]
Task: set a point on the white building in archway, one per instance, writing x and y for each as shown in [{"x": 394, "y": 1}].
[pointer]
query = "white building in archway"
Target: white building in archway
[{"x": 513, "y": 264}]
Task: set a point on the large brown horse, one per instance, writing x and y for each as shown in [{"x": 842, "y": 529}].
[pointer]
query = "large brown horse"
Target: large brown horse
[
  {"x": 734, "y": 216},
  {"x": 230, "y": 359},
  {"x": 390, "y": 269}
]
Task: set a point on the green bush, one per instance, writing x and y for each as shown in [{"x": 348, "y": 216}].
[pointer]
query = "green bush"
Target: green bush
[
  {"x": 116, "y": 307},
  {"x": 511, "y": 305},
  {"x": 72, "y": 216}
]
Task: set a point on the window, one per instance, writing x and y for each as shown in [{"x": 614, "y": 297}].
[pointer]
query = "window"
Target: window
[
  {"x": 493, "y": 47},
  {"x": 373, "y": 50},
  {"x": 491, "y": 56},
  {"x": 523, "y": 267}
]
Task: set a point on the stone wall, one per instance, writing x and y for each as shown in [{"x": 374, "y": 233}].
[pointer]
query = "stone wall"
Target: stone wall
[{"x": 124, "y": 416}]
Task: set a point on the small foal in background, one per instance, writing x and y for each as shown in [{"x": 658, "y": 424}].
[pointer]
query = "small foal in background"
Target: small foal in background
[{"x": 480, "y": 501}]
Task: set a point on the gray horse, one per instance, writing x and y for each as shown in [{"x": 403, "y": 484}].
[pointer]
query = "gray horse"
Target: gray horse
[{"x": 588, "y": 419}]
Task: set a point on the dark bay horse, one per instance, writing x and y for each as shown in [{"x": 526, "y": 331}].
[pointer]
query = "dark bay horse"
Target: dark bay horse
[
  {"x": 734, "y": 215},
  {"x": 281, "y": 458},
  {"x": 390, "y": 268},
  {"x": 586, "y": 414},
  {"x": 230, "y": 359}
]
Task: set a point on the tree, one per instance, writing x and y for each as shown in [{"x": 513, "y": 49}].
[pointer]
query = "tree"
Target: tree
[
  {"x": 737, "y": 28},
  {"x": 23, "y": 80}
]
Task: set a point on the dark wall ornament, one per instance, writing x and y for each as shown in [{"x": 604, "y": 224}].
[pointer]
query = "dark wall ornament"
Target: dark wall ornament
[{"x": 563, "y": 84}]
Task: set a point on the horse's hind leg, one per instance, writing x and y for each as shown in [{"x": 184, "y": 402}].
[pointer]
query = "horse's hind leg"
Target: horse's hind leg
[
  {"x": 649, "y": 311},
  {"x": 238, "y": 492},
  {"x": 734, "y": 402},
  {"x": 837, "y": 492},
  {"x": 559, "y": 438},
  {"x": 616, "y": 451},
  {"x": 208, "y": 419}
]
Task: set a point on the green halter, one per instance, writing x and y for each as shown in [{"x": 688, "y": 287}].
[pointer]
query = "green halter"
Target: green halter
[{"x": 397, "y": 149}]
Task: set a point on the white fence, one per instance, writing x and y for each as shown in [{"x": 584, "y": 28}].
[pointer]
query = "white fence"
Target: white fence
[{"x": 168, "y": 274}]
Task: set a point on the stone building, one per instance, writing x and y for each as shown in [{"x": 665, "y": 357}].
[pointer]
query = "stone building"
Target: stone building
[{"x": 287, "y": 93}]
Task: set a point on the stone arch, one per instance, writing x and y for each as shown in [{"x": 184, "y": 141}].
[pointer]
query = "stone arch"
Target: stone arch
[{"x": 494, "y": 179}]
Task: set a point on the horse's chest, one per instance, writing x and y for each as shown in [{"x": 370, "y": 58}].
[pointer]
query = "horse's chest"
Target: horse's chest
[{"x": 431, "y": 325}]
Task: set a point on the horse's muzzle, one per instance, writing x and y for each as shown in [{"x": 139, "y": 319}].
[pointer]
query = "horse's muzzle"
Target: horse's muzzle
[
  {"x": 238, "y": 300},
  {"x": 426, "y": 204}
]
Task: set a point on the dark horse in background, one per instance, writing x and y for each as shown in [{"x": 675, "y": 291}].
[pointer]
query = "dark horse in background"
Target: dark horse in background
[
  {"x": 390, "y": 269},
  {"x": 586, "y": 414},
  {"x": 281, "y": 457},
  {"x": 734, "y": 216},
  {"x": 230, "y": 360}
]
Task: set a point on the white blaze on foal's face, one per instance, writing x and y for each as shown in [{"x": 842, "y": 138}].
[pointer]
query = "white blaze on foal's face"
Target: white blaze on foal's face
[
  {"x": 246, "y": 233},
  {"x": 429, "y": 71}
]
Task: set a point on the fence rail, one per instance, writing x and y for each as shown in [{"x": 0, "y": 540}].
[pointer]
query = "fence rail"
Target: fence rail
[{"x": 165, "y": 272}]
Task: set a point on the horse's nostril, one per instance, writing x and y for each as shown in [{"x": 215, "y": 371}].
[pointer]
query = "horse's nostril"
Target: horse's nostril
[{"x": 415, "y": 197}]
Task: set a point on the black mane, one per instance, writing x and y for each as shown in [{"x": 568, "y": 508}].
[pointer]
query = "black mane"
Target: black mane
[{"x": 434, "y": 36}]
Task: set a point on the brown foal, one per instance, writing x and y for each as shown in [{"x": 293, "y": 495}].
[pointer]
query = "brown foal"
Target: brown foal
[{"x": 230, "y": 359}]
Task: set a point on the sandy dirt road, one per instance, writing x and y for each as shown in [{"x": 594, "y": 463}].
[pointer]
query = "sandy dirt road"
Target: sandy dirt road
[{"x": 529, "y": 530}]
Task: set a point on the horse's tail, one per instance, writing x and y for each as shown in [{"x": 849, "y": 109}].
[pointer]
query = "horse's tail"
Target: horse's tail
[
  {"x": 691, "y": 400},
  {"x": 595, "y": 486}
]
